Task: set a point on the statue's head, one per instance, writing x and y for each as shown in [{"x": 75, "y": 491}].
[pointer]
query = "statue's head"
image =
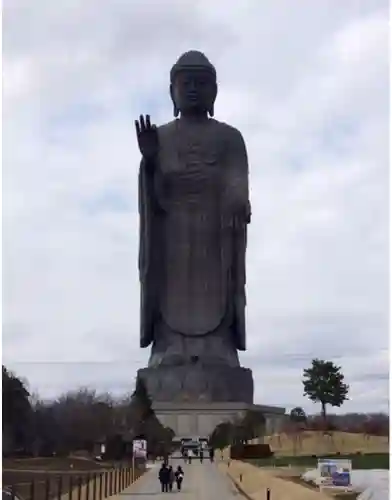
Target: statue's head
[{"x": 193, "y": 86}]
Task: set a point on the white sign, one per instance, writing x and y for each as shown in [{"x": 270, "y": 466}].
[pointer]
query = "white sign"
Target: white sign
[
  {"x": 140, "y": 448},
  {"x": 335, "y": 472}
]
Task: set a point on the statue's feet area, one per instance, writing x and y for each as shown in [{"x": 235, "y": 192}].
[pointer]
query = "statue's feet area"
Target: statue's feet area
[{"x": 198, "y": 383}]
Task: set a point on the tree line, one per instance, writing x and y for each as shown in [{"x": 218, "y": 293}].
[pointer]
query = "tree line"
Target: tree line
[{"x": 76, "y": 420}]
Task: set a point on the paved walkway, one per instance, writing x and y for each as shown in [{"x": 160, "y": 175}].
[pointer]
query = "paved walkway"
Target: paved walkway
[{"x": 201, "y": 482}]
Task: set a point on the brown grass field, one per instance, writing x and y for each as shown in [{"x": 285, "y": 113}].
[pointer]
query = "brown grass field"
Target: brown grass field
[
  {"x": 48, "y": 464},
  {"x": 316, "y": 443}
]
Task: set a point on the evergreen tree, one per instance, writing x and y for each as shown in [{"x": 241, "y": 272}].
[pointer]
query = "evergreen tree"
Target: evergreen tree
[
  {"x": 324, "y": 383},
  {"x": 17, "y": 411}
]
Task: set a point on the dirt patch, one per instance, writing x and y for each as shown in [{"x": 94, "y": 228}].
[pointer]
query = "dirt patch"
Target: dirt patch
[{"x": 56, "y": 464}]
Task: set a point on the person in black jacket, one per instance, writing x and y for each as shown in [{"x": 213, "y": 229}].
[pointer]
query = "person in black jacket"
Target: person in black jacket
[
  {"x": 171, "y": 478},
  {"x": 164, "y": 477},
  {"x": 179, "y": 475}
]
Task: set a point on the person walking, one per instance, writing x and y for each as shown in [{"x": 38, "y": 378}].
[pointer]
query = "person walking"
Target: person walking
[
  {"x": 179, "y": 474},
  {"x": 171, "y": 478},
  {"x": 201, "y": 456},
  {"x": 163, "y": 477}
]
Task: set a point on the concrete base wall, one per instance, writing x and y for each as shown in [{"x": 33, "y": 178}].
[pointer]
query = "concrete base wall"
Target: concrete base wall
[{"x": 200, "y": 419}]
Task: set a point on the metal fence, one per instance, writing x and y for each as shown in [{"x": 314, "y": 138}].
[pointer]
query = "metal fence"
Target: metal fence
[{"x": 72, "y": 485}]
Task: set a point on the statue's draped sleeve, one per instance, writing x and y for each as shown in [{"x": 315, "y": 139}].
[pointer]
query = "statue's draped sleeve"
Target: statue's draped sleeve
[
  {"x": 235, "y": 212},
  {"x": 149, "y": 238},
  {"x": 237, "y": 194}
]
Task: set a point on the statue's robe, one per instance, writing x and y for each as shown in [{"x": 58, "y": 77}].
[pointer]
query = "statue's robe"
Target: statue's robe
[{"x": 194, "y": 210}]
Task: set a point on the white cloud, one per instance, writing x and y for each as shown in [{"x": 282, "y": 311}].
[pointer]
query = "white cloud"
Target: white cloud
[{"x": 308, "y": 88}]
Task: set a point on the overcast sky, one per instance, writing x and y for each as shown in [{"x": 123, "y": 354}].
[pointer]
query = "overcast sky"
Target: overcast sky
[{"x": 306, "y": 82}]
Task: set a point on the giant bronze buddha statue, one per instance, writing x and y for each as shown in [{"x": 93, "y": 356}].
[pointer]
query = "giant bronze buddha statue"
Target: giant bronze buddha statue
[{"x": 194, "y": 210}]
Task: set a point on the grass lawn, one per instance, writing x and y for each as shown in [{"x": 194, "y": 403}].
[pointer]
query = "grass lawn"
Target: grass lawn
[{"x": 366, "y": 461}]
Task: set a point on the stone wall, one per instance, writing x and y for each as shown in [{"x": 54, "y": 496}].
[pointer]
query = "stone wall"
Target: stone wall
[{"x": 200, "y": 419}]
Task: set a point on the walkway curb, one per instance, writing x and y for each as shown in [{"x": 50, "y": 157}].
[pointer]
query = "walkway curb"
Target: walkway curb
[{"x": 239, "y": 488}]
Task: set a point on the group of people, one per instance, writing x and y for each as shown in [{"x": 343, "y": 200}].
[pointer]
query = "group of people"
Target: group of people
[
  {"x": 188, "y": 455},
  {"x": 167, "y": 477}
]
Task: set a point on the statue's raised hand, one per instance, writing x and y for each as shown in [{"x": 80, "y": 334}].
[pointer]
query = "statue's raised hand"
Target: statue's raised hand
[{"x": 147, "y": 138}]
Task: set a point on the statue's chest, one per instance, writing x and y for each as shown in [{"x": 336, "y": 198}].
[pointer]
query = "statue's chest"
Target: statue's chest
[{"x": 191, "y": 150}]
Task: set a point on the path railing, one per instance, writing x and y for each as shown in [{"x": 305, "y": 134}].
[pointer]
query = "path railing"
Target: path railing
[{"x": 73, "y": 486}]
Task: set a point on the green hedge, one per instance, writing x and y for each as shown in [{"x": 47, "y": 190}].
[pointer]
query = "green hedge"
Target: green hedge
[{"x": 359, "y": 461}]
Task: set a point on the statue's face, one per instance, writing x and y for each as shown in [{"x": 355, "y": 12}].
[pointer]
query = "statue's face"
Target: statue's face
[{"x": 194, "y": 91}]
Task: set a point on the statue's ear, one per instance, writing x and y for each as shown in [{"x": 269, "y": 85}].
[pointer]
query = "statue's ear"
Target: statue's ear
[
  {"x": 213, "y": 97},
  {"x": 176, "y": 111}
]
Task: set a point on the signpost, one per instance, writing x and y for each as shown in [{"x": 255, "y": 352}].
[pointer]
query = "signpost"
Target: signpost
[{"x": 139, "y": 450}]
